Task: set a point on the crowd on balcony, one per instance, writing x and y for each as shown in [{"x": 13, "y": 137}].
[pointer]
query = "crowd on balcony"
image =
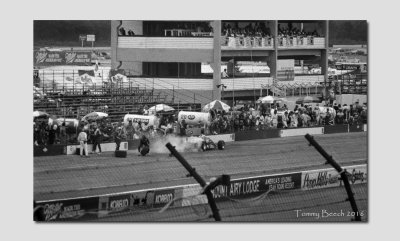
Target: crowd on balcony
[
  {"x": 294, "y": 32},
  {"x": 257, "y": 30}
]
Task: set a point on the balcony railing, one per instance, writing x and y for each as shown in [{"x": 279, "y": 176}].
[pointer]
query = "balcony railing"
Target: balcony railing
[
  {"x": 247, "y": 42},
  {"x": 301, "y": 42},
  {"x": 140, "y": 42}
]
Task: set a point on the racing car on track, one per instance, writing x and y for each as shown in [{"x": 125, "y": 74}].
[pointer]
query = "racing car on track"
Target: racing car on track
[{"x": 204, "y": 143}]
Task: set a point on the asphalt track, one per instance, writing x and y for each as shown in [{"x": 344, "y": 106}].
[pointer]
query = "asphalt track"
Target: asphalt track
[{"x": 58, "y": 177}]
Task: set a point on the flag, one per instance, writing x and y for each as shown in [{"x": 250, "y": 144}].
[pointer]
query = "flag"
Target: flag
[
  {"x": 118, "y": 75},
  {"x": 96, "y": 66},
  {"x": 86, "y": 76}
]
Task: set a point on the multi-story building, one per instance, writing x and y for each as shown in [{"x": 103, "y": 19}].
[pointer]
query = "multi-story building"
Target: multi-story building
[{"x": 186, "y": 58}]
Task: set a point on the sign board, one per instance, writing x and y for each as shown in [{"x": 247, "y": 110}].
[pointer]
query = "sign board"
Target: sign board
[
  {"x": 82, "y": 37},
  {"x": 47, "y": 58},
  {"x": 285, "y": 70},
  {"x": 90, "y": 38}
]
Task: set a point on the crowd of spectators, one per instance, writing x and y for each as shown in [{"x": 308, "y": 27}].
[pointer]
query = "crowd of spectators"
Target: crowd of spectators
[
  {"x": 276, "y": 116},
  {"x": 258, "y": 30},
  {"x": 294, "y": 32},
  {"x": 248, "y": 117}
]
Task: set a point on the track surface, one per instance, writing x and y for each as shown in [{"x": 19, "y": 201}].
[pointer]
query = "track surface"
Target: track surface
[{"x": 72, "y": 176}]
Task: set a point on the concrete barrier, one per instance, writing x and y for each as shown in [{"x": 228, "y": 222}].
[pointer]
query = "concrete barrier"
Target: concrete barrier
[
  {"x": 105, "y": 147},
  {"x": 254, "y": 134},
  {"x": 356, "y": 128},
  {"x": 302, "y": 131},
  {"x": 336, "y": 129},
  {"x": 133, "y": 144},
  {"x": 50, "y": 150}
]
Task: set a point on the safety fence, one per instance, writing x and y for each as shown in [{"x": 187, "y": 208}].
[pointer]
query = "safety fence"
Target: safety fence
[{"x": 250, "y": 190}]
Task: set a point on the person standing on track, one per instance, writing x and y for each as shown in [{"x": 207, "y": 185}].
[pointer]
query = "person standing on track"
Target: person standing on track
[
  {"x": 82, "y": 139},
  {"x": 144, "y": 142},
  {"x": 118, "y": 136},
  {"x": 97, "y": 140}
]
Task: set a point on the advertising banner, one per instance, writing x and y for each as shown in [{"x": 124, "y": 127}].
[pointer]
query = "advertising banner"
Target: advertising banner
[
  {"x": 118, "y": 203},
  {"x": 47, "y": 58},
  {"x": 348, "y": 66},
  {"x": 162, "y": 197},
  {"x": 325, "y": 178},
  {"x": 78, "y": 58},
  {"x": 51, "y": 58},
  {"x": 248, "y": 187},
  {"x": 67, "y": 210}
]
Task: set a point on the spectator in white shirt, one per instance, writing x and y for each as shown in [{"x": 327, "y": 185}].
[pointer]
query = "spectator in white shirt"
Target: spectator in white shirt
[{"x": 82, "y": 139}]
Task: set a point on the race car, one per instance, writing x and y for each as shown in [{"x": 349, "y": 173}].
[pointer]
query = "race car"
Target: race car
[
  {"x": 208, "y": 144},
  {"x": 204, "y": 143}
]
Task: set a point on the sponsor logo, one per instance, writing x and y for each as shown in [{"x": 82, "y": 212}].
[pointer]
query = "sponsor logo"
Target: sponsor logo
[
  {"x": 70, "y": 57},
  {"x": 321, "y": 180},
  {"x": 190, "y": 117},
  {"x": 163, "y": 198},
  {"x": 40, "y": 57},
  {"x": 146, "y": 121},
  {"x": 119, "y": 204},
  {"x": 51, "y": 211}
]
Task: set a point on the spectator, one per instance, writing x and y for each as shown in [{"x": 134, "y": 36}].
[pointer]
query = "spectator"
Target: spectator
[
  {"x": 225, "y": 74},
  {"x": 52, "y": 134},
  {"x": 118, "y": 137},
  {"x": 82, "y": 139},
  {"x": 122, "y": 31},
  {"x": 131, "y": 33},
  {"x": 98, "y": 135}
]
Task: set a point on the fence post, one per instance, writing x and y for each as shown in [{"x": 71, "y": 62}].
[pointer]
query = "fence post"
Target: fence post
[
  {"x": 63, "y": 80},
  {"x": 73, "y": 82},
  {"x": 53, "y": 81}
]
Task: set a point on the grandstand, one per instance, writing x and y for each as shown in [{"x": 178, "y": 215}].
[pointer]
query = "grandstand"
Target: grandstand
[{"x": 164, "y": 63}]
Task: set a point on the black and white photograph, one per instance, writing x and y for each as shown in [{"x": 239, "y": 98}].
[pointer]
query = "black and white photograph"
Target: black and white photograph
[{"x": 198, "y": 121}]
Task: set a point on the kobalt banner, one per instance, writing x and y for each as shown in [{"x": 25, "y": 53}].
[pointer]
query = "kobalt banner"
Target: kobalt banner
[
  {"x": 47, "y": 58},
  {"x": 325, "y": 178},
  {"x": 257, "y": 185}
]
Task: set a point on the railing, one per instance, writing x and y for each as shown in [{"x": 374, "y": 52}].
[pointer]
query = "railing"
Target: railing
[
  {"x": 138, "y": 42},
  {"x": 300, "y": 42},
  {"x": 294, "y": 89},
  {"x": 247, "y": 42}
]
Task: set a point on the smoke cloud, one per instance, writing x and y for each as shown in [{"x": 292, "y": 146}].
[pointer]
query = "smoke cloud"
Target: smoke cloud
[{"x": 182, "y": 144}]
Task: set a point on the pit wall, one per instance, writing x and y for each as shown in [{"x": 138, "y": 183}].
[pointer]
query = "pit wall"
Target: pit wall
[
  {"x": 85, "y": 208},
  {"x": 105, "y": 147}
]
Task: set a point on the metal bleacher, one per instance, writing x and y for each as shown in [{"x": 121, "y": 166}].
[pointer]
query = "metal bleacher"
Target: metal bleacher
[{"x": 116, "y": 101}]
